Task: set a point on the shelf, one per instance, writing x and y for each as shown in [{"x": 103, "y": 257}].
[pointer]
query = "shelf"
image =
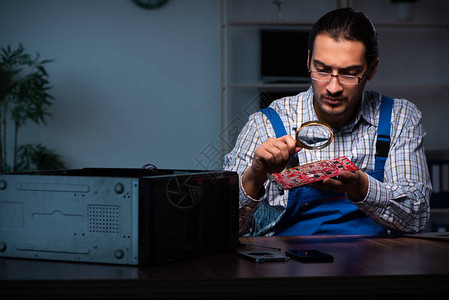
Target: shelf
[
  {"x": 411, "y": 24},
  {"x": 310, "y": 24},
  {"x": 270, "y": 23},
  {"x": 307, "y": 84},
  {"x": 439, "y": 210},
  {"x": 406, "y": 86},
  {"x": 269, "y": 85}
]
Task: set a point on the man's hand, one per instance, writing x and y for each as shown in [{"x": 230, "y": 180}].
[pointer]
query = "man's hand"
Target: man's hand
[
  {"x": 354, "y": 184},
  {"x": 270, "y": 157}
]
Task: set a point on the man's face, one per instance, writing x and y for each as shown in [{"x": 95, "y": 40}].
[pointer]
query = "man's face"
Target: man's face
[{"x": 336, "y": 103}]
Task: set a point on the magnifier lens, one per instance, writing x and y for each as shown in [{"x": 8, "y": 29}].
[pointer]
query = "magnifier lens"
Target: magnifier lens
[{"x": 314, "y": 135}]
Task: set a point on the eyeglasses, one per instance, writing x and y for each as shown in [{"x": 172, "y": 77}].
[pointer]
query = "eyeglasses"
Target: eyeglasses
[{"x": 343, "y": 79}]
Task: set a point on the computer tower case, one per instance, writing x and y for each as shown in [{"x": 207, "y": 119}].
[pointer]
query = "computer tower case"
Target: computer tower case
[{"x": 118, "y": 216}]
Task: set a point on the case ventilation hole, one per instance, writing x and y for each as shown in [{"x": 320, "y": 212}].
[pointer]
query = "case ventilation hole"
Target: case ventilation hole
[{"x": 104, "y": 219}]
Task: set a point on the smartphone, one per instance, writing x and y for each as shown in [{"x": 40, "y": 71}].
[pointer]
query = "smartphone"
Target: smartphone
[
  {"x": 309, "y": 255},
  {"x": 262, "y": 256}
]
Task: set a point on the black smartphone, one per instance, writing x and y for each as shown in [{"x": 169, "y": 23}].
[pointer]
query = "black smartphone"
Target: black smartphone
[
  {"x": 262, "y": 256},
  {"x": 309, "y": 255}
]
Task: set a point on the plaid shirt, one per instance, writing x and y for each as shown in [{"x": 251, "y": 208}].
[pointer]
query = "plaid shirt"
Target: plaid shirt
[{"x": 399, "y": 203}]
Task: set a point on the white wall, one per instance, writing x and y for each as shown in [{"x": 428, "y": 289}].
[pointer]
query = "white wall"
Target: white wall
[
  {"x": 135, "y": 86},
  {"x": 131, "y": 86}
]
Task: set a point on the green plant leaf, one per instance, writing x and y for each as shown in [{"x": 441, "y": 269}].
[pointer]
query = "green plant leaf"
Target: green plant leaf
[{"x": 24, "y": 97}]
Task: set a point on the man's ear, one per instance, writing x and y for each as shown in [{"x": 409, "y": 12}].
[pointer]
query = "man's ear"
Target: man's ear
[
  {"x": 308, "y": 59},
  {"x": 373, "y": 70}
]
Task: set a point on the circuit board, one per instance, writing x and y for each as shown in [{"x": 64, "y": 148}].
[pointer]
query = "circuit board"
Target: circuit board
[{"x": 312, "y": 172}]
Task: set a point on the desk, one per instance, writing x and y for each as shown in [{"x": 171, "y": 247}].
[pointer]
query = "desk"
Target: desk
[{"x": 363, "y": 266}]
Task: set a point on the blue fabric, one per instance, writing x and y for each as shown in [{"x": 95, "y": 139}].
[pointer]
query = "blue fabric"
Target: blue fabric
[
  {"x": 383, "y": 133},
  {"x": 311, "y": 211},
  {"x": 383, "y": 130},
  {"x": 276, "y": 121}
]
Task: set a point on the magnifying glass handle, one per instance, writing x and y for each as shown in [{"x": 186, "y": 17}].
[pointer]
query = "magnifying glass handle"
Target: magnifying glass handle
[{"x": 293, "y": 162}]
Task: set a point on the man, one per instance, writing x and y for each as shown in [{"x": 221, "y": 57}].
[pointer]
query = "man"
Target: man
[{"x": 391, "y": 190}]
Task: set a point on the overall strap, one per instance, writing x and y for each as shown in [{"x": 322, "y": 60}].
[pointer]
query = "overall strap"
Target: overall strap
[
  {"x": 275, "y": 120},
  {"x": 383, "y": 137},
  {"x": 383, "y": 131}
]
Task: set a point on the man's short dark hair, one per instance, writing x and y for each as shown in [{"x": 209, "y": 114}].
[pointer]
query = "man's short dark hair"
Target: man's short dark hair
[{"x": 348, "y": 24}]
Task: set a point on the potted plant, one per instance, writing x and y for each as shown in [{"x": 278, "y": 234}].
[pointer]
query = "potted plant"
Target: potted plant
[
  {"x": 23, "y": 98},
  {"x": 404, "y": 9}
]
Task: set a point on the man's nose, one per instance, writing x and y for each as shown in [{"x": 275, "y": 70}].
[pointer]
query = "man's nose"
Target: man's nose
[{"x": 334, "y": 86}]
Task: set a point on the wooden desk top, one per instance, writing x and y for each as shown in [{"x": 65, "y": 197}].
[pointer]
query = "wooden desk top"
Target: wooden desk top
[{"x": 362, "y": 266}]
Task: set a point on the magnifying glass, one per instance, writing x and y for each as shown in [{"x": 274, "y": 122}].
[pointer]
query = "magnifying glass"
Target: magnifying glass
[{"x": 314, "y": 135}]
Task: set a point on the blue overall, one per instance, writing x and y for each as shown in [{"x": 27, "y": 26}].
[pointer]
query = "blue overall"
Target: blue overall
[{"x": 311, "y": 211}]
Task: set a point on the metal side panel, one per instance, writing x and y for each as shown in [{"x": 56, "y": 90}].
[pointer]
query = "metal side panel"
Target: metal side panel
[{"x": 70, "y": 218}]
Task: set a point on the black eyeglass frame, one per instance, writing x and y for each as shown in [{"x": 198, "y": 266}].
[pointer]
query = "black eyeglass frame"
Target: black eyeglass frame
[{"x": 337, "y": 76}]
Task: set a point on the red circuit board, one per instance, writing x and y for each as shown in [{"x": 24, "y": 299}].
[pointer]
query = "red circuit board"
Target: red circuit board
[{"x": 312, "y": 172}]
